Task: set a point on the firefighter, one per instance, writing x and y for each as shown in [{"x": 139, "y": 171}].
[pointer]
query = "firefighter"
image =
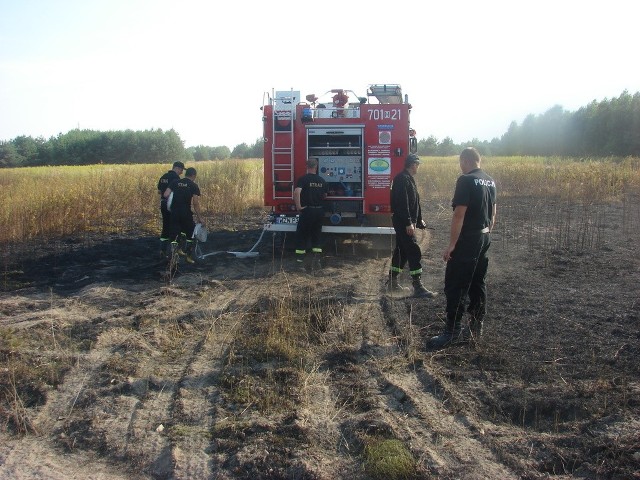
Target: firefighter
[
  {"x": 407, "y": 217},
  {"x": 309, "y": 194},
  {"x": 474, "y": 215},
  {"x": 186, "y": 194},
  {"x": 163, "y": 183}
]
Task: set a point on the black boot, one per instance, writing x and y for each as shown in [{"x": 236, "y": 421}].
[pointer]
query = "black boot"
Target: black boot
[
  {"x": 189, "y": 256},
  {"x": 182, "y": 244},
  {"x": 452, "y": 335},
  {"x": 419, "y": 290}
]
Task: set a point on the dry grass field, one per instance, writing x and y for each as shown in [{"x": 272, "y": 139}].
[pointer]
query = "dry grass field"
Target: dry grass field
[{"x": 247, "y": 368}]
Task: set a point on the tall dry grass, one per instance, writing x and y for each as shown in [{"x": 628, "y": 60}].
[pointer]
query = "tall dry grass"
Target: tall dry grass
[
  {"x": 548, "y": 202},
  {"x": 575, "y": 180},
  {"x": 53, "y": 202}
]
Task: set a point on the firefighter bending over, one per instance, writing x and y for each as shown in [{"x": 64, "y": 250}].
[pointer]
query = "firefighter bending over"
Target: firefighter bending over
[
  {"x": 309, "y": 194},
  {"x": 185, "y": 194}
]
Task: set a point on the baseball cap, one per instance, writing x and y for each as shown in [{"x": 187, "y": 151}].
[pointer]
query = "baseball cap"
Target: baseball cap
[
  {"x": 178, "y": 164},
  {"x": 412, "y": 158}
]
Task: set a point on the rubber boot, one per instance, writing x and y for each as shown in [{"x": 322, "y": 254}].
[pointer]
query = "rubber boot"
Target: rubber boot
[
  {"x": 188, "y": 252},
  {"x": 419, "y": 290},
  {"x": 452, "y": 335},
  {"x": 394, "y": 285},
  {"x": 182, "y": 245}
]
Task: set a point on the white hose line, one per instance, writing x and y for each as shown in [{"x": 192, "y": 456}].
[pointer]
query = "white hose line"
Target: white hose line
[{"x": 248, "y": 254}]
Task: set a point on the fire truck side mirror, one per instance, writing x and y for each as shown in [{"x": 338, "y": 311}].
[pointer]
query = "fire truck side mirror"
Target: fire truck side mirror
[{"x": 413, "y": 144}]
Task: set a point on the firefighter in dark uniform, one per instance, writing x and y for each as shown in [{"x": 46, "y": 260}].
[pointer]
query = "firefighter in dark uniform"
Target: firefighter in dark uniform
[
  {"x": 163, "y": 183},
  {"x": 474, "y": 215},
  {"x": 309, "y": 195},
  {"x": 186, "y": 194},
  {"x": 407, "y": 217}
]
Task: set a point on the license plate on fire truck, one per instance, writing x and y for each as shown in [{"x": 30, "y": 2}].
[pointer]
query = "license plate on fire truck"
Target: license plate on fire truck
[{"x": 289, "y": 220}]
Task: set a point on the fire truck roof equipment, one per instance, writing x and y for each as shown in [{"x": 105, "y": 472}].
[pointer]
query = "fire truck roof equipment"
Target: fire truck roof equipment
[{"x": 386, "y": 93}]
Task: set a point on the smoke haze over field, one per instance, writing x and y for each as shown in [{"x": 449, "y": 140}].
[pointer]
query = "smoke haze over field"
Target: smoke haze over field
[{"x": 469, "y": 68}]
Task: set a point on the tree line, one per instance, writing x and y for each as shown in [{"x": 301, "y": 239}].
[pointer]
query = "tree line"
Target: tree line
[
  {"x": 600, "y": 129},
  {"x": 604, "y": 128},
  {"x": 89, "y": 147}
]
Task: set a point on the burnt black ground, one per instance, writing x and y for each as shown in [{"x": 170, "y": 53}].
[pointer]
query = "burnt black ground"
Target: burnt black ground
[{"x": 553, "y": 387}]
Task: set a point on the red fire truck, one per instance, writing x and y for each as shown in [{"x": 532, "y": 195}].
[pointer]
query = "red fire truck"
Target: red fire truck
[{"x": 360, "y": 143}]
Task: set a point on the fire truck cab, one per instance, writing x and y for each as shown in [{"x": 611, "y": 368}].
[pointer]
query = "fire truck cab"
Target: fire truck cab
[{"x": 360, "y": 143}]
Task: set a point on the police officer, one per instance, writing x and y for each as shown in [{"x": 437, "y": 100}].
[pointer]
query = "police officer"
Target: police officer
[
  {"x": 407, "y": 217},
  {"x": 163, "y": 183},
  {"x": 474, "y": 215},
  {"x": 186, "y": 194},
  {"x": 309, "y": 194}
]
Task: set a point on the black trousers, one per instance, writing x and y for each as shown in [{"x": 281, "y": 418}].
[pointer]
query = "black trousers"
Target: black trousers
[
  {"x": 182, "y": 221},
  {"x": 465, "y": 276},
  {"x": 406, "y": 250},
  {"x": 309, "y": 229},
  {"x": 166, "y": 221}
]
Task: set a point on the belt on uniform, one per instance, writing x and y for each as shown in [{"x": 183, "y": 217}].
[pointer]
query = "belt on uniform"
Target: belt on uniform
[{"x": 467, "y": 233}]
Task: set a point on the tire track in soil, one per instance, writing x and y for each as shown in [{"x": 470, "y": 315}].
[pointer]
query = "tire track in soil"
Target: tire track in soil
[
  {"x": 248, "y": 443},
  {"x": 59, "y": 421},
  {"x": 132, "y": 408},
  {"x": 191, "y": 413},
  {"x": 190, "y": 419},
  {"x": 218, "y": 442},
  {"x": 446, "y": 440},
  {"x": 348, "y": 401},
  {"x": 75, "y": 419},
  {"x": 194, "y": 414},
  {"x": 202, "y": 428},
  {"x": 384, "y": 394},
  {"x": 100, "y": 407},
  {"x": 452, "y": 443}
]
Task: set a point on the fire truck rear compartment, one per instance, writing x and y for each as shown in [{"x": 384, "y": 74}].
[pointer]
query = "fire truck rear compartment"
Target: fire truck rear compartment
[{"x": 360, "y": 146}]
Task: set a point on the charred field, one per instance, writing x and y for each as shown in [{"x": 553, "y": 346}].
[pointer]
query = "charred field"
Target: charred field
[{"x": 249, "y": 368}]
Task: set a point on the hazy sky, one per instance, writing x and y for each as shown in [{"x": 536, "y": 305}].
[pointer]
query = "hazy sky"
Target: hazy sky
[{"x": 202, "y": 67}]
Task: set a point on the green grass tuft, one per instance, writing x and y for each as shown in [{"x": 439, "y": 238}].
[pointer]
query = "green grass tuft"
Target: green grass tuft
[{"x": 389, "y": 459}]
